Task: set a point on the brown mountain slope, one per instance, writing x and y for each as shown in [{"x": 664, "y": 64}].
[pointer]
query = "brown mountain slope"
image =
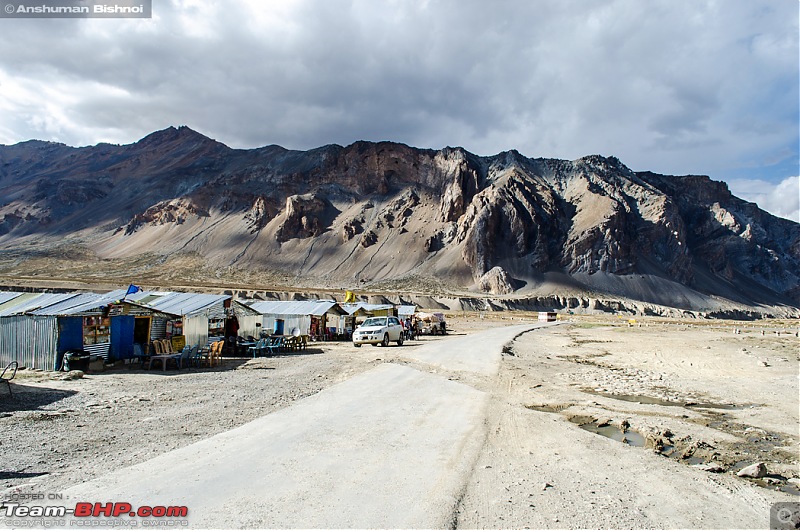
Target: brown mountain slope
[{"x": 177, "y": 205}]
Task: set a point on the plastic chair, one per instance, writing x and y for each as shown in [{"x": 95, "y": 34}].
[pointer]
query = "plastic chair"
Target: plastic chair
[
  {"x": 290, "y": 343},
  {"x": 201, "y": 356},
  {"x": 258, "y": 347},
  {"x": 186, "y": 356},
  {"x": 275, "y": 345},
  {"x": 139, "y": 354}
]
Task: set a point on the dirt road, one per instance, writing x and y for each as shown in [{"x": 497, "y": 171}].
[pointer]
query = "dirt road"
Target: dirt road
[{"x": 391, "y": 447}]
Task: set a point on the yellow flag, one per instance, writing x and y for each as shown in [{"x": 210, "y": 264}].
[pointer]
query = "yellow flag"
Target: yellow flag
[{"x": 349, "y": 297}]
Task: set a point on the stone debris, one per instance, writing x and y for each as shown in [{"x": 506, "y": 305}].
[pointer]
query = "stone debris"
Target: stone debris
[
  {"x": 758, "y": 470},
  {"x": 710, "y": 467}
]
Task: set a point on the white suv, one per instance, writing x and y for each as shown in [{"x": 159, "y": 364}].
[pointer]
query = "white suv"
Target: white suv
[{"x": 378, "y": 330}]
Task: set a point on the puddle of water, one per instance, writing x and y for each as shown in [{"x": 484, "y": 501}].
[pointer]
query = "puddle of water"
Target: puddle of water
[
  {"x": 786, "y": 487},
  {"x": 644, "y": 400},
  {"x": 609, "y": 431}
]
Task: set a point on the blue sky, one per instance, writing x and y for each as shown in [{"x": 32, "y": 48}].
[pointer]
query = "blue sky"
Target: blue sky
[{"x": 673, "y": 86}]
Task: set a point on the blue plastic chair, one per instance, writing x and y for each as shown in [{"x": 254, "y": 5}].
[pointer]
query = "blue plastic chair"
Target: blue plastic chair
[
  {"x": 258, "y": 348},
  {"x": 275, "y": 345}
]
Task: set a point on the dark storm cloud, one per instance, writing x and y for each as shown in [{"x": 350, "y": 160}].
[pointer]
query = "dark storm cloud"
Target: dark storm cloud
[{"x": 673, "y": 86}]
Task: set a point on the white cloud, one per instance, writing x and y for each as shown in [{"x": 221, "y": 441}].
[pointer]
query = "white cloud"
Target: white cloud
[{"x": 782, "y": 199}]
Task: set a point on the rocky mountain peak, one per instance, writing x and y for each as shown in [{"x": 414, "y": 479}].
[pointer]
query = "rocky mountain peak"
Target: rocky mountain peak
[{"x": 376, "y": 212}]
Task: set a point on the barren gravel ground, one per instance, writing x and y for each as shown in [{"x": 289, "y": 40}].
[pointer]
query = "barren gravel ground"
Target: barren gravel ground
[{"x": 696, "y": 393}]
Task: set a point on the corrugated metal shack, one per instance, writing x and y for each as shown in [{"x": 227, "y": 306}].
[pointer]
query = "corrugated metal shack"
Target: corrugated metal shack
[
  {"x": 548, "y": 316},
  {"x": 200, "y": 318},
  {"x": 36, "y": 329},
  {"x": 31, "y": 341},
  {"x": 320, "y": 319}
]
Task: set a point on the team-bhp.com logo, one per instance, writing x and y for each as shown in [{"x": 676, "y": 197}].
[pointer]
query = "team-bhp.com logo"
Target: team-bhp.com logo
[{"x": 86, "y": 513}]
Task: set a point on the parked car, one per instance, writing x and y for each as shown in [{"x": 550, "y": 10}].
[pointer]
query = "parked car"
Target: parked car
[{"x": 378, "y": 330}]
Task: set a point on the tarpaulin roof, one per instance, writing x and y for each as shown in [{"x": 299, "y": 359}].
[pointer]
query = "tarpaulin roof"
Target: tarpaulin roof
[
  {"x": 352, "y": 308},
  {"x": 302, "y": 307},
  {"x": 406, "y": 310}
]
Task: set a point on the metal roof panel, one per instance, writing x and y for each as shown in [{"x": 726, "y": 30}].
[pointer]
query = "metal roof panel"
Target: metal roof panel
[
  {"x": 185, "y": 303},
  {"x": 82, "y": 303},
  {"x": 64, "y": 307},
  {"x": 299, "y": 307},
  {"x": 5, "y": 296},
  {"x": 23, "y": 304}
]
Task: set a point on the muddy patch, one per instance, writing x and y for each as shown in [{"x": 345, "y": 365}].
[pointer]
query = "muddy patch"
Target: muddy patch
[
  {"x": 556, "y": 409},
  {"x": 620, "y": 434},
  {"x": 756, "y": 445},
  {"x": 752, "y": 444},
  {"x": 650, "y": 400}
]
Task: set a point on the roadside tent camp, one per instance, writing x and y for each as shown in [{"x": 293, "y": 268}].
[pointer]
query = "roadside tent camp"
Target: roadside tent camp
[
  {"x": 315, "y": 318},
  {"x": 36, "y": 329},
  {"x": 31, "y": 341},
  {"x": 200, "y": 318}
]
